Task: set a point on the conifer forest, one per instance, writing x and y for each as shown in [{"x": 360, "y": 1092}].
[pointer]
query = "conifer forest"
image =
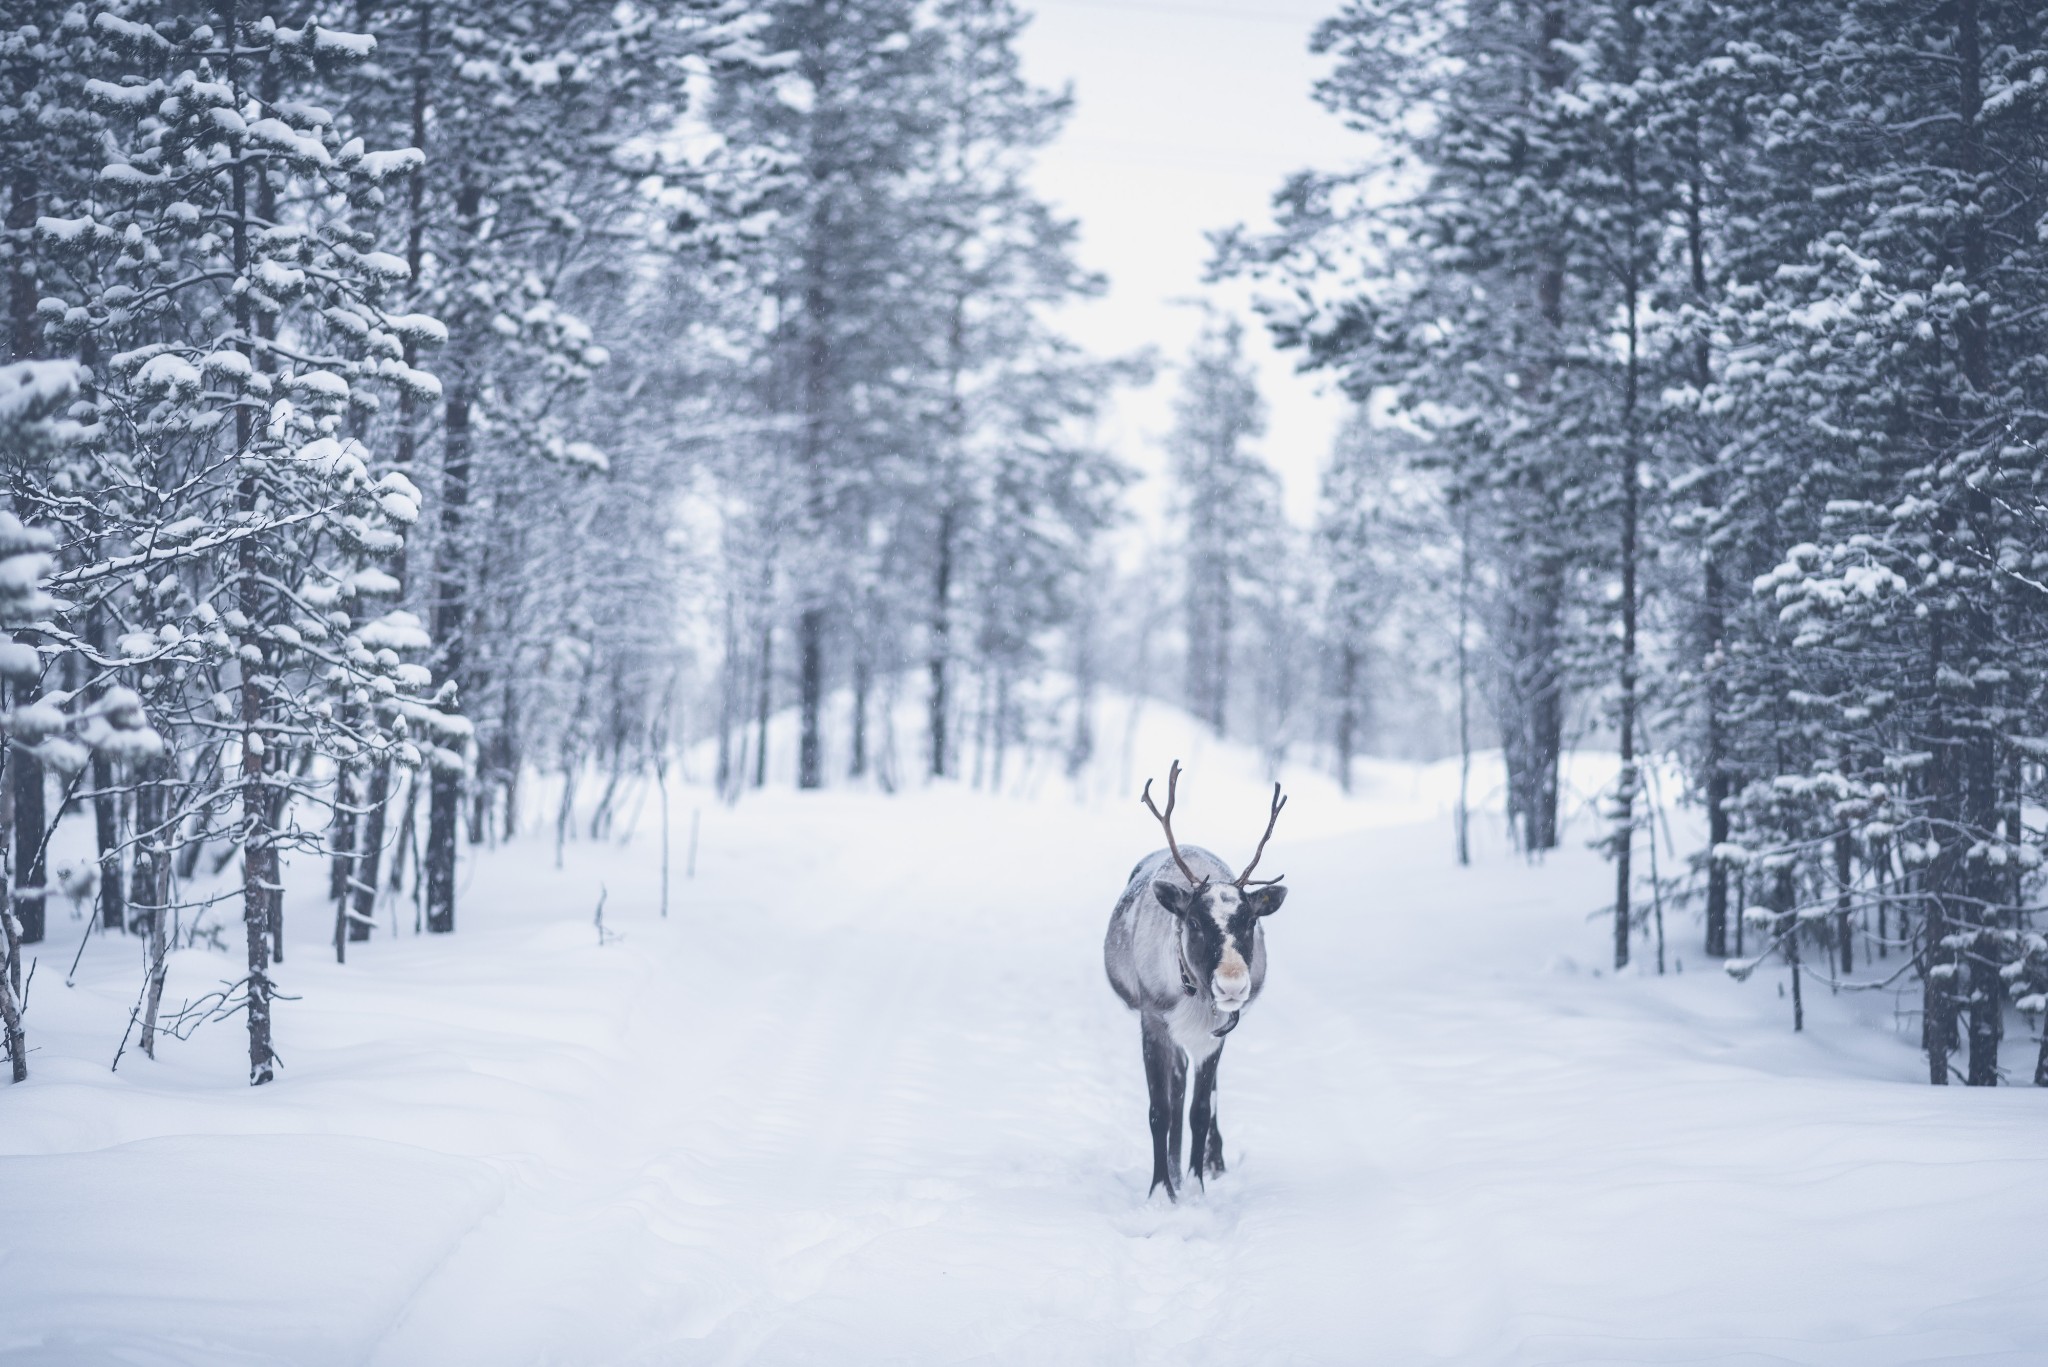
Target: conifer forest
[{"x": 588, "y": 593}]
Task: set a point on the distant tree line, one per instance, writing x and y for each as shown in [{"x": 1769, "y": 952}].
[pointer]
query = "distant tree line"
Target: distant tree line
[
  {"x": 923, "y": 495},
  {"x": 1320, "y": 644}
]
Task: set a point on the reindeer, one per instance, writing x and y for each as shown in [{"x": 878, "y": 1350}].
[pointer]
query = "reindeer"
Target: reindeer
[{"x": 1186, "y": 952}]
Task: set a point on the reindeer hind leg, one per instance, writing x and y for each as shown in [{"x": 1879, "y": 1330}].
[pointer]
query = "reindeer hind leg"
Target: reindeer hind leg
[
  {"x": 1160, "y": 1055},
  {"x": 1207, "y": 1154}
]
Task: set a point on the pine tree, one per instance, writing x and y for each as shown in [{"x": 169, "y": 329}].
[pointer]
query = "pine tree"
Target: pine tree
[
  {"x": 1472, "y": 297},
  {"x": 541, "y": 125},
  {"x": 96, "y": 730},
  {"x": 1004, "y": 390},
  {"x": 845, "y": 109},
  {"x": 240, "y": 316},
  {"x": 49, "y": 52},
  {"x": 1897, "y": 366},
  {"x": 1380, "y": 539},
  {"x": 920, "y": 452},
  {"x": 1227, "y": 501}
]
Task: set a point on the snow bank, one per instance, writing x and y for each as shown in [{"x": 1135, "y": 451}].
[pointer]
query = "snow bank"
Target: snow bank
[{"x": 865, "y": 1098}]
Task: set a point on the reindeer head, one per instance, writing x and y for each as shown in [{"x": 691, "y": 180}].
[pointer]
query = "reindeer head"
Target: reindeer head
[{"x": 1219, "y": 922}]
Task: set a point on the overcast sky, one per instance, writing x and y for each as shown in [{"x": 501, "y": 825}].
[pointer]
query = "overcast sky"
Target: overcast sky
[{"x": 1189, "y": 117}]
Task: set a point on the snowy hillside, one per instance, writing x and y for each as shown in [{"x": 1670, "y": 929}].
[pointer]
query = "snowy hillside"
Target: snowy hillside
[{"x": 865, "y": 1098}]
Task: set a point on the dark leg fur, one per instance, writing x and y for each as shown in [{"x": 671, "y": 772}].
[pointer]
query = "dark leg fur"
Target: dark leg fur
[
  {"x": 1160, "y": 1058},
  {"x": 1177, "y": 1109},
  {"x": 1205, "y": 1152}
]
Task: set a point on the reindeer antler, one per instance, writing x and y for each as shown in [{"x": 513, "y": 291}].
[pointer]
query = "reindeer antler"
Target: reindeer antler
[
  {"x": 1165, "y": 819},
  {"x": 1244, "y": 879}
]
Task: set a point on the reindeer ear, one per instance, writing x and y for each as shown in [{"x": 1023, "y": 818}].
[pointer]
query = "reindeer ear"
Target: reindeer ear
[
  {"x": 1172, "y": 896},
  {"x": 1266, "y": 901}
]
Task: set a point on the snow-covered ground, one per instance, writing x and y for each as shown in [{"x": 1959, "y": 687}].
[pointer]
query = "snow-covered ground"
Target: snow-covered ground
[{"x": 864, "y": 1097}]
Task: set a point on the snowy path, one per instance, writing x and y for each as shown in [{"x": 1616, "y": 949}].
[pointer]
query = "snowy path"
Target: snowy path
[{"x": 871, "y": 1102}]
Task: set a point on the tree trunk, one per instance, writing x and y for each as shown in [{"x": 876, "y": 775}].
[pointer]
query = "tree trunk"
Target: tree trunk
[
  {"x": 23, "y": 208},
  {"x": 342, "y": 823},
  {"x": 1546, "y": 718},
  {"x": 407, "y": 838},
  {"x": 156, "y": 861},
  {"x": 1717, "y": 836},
  {"x": 565, "y": 812},
  {"x": 1001, "y": 734},
  {"x": 10, "y": 991},
  {"x": 863, "y": 681},
  {"x": 1880, "y": 858},
  {"x": 10, "y": 1019},
  {"x": 1984, "y": 956},
  {"x": 1783, "y": 898},
  {"x": 1798, "y": 1001},
  {"x": 1741, "y": 912},
  {"x": 444, "y": 803},
  {"x": 515, "y": 761},
  {"x": 1937, "y": 966},
  {"x": 1462, "y": 816},
  {"x": 1631, "y": 512},
  {"x": 1982, "y": 802},
  {"x": 601, "y": 815},
  {"x": 1843, "y": 929},
  {"x": 1081, "y": 741},
  {"x": 728, "y": 696},
  {"x": 1541, "y": 602},
  {"x": 451, "y": 601},
  {"x": 1220, "y": 675},
  {"x": 810, "y": 644},
  {"x": 941, "y": 646},
  {"x": 259, "y": 854},
  {"x": 1347, "y": 713},
  {"x": 444, "y": 788},
  {"x": 106, "y": 814},
  {"x": 660, "y": 759},
  {"x": 766, "y": 696},
  {"x": 152, "y": 885},
  {"x": 147, "y": 815},
  {"x": 25, "y": 774},
  {"x": 342, "y": 865},
  {"x": 1625, "y": 797},
  {"x": 341, "y": 869},
  {"x": 10, "y": 972},
  {"x": 367, "y": 865},
  {"x": 478, "y": 807},
  {"x": 278, "y": 793},
  {"x": 369, "y": 858},
  {"x": 981, "y": 712},
  {"x": 1987, "y": 1014},
  {"x": 1713, "y": 611}
]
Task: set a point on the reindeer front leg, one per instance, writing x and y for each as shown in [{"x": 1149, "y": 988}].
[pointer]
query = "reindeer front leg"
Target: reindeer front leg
[
  {"x": 1161, "y": 1058},
  {"x": 1177, "y": 1108},
  {"x": 1205, "y": 1152}
]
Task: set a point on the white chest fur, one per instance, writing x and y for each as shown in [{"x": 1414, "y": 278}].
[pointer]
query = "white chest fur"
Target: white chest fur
[{"x": 1193, "y": 1025}]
